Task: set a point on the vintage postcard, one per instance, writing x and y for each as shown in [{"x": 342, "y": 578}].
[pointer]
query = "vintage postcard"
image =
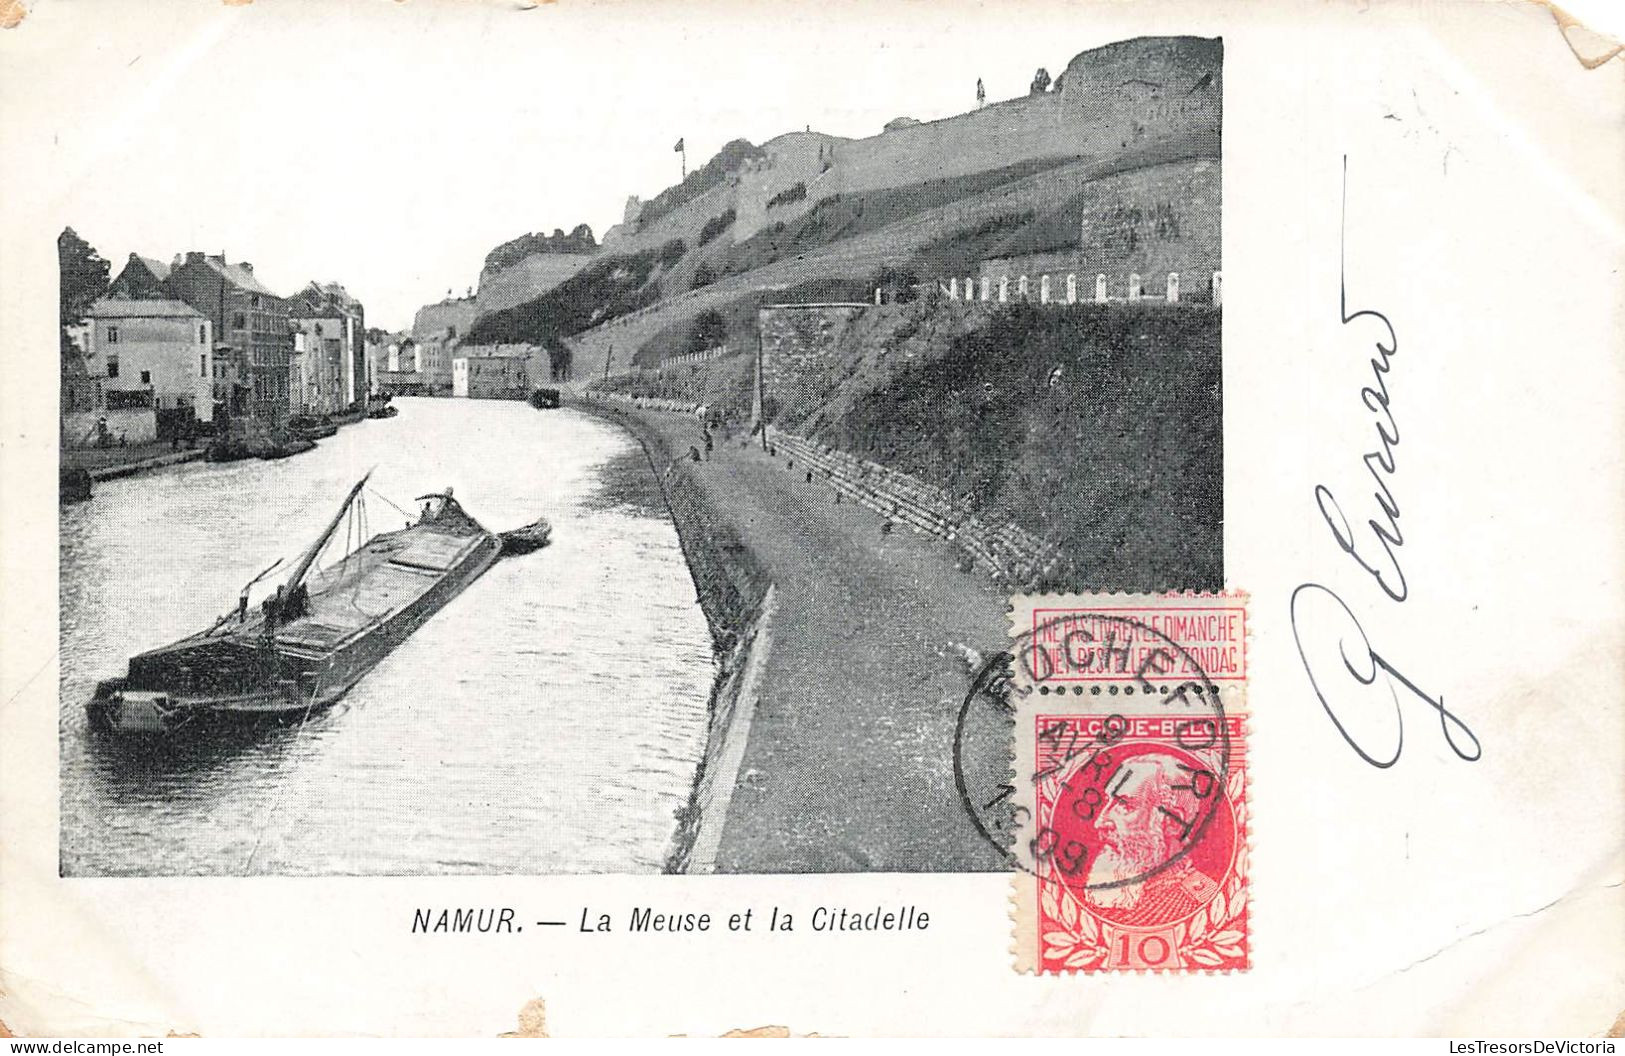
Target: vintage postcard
[{"x": 1040, "y": 519}]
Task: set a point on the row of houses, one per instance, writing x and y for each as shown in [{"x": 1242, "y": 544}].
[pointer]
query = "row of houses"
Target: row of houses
[
  {"x": 200, "y": 344},
  {"x": 436, "y": 359}
]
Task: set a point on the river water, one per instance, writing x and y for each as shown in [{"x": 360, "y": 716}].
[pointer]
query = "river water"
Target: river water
[{"x": 549, "y": 719}]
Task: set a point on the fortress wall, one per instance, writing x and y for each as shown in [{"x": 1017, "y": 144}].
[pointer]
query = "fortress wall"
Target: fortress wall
[
  {"x": 791, "y": 159},
  {"x": 1149, "y": 95},
  {"x": 1139, "y": 94},
  {"x": 529, "y": 278},
  {"x": 998, "y": 135},
  {"x": 864, "y": 254},
  {"x": 1145, "y": 94},
  {"x": 1147, "y": 89},
  {"x": 684, "y": 222},
  {"x": 1150, "y": 221}
]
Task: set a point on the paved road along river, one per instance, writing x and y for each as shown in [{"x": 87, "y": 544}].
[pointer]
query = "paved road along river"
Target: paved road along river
[{"x": 550, "y": 719}]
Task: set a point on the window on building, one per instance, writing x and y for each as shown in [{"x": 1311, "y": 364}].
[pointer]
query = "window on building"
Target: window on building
[
  {"x": 112, "y": 366},
  {"x": 202, "y": 335},
  {"x": 112, "y": 335},
  {"x": 203, "y": 366},
  {"x": 239, "y": 321},
  {"x": 146, "y": 377},
  {"x": 253, "y": 300}
]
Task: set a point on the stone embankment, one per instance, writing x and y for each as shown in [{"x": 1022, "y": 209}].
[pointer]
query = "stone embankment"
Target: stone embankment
[
  {"x": 843, "y": 648},
  {"x": 733, "y": 591},
  {"x": 1006, "y": 553},
  {"x": 111, "y": 469},
  {"x": 1002, "y": 551}
]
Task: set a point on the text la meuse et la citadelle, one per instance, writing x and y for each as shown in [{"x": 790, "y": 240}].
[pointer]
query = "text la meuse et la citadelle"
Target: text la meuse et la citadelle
[{"x": 646, "y": 919}]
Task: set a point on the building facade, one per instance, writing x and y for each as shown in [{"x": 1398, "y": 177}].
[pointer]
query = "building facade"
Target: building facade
[
  {"x": 317, "y": 381},
  {"x": 252, "y": 321},
  {"x": 335, "y": 324},
  {"x": 490, "y": 377},
  {"x": 437, "y": 331},
  {"x": 154, "y": 358}
]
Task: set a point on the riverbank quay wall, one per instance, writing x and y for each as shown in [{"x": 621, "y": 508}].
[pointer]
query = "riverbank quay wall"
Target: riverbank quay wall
[
  {"x": 732, "y": 588},
  {"x": 862, "y": 634},
  {"x": 996, "y": 548}
]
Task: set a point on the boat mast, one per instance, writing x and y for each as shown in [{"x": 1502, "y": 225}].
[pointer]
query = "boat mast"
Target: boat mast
[{"x": 309, "y": 556}]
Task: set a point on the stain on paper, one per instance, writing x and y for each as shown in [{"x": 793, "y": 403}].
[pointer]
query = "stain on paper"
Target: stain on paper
[
  {"x": 532, "y": 1017},
  {"x": 12, "y": 12}
]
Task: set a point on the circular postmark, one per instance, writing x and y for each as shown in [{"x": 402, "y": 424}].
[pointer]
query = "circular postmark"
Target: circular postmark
[{"x": 1126, "y": 780}]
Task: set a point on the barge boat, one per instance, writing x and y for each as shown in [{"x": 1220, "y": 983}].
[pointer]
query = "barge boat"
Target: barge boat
[{"x": 303, "y": 647}]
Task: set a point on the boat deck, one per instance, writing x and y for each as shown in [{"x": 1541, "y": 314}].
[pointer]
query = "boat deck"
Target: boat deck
[
  {"x": 388, "y": 573},
  {"x": 384, "y": 576}
]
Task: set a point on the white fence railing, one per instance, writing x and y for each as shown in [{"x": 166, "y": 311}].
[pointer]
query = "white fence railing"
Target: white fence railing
[{"x": 1056, "y": 288}]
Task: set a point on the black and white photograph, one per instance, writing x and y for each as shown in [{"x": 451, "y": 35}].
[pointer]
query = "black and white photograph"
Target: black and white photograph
[
  {"x": 667, "y": 541},
  {"x": 740, "y": 518}
]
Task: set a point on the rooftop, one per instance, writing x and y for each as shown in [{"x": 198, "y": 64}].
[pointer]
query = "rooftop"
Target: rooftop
[
  {"x": 319, "y": 296},
  {"x": 121, "y": 308},
  {"x": 159, "y": 269},
  {"x": 239, "y": 275}
]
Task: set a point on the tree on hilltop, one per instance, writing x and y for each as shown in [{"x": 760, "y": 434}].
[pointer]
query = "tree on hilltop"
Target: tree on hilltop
[
  {"x": 1040, "y": 81},
  {"x": 84, "y": 278}
]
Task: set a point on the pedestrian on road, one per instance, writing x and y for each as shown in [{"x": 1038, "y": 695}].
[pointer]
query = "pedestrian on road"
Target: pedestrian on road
[{"x": 705, "y": 434}]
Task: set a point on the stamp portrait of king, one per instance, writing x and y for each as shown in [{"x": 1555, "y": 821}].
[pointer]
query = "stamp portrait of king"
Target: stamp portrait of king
[
  {"x": 1140, "y": 874},
  {"x": 1141, "y": 858}
]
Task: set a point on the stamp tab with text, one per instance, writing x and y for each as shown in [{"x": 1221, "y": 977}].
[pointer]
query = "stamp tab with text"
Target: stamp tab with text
[{"x": 1130, "y": 794}]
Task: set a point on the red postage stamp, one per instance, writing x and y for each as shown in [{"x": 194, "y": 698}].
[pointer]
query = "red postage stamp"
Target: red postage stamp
[{"x": 1131, "y": 798}]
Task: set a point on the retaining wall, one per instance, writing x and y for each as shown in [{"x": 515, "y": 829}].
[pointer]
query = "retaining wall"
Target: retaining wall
[
  {"x": 1004, "y": 552},
  {"x": 731, "y": 585},
  {"x": 1001, "y": 550},
  {"x": 798, "y": 347}
]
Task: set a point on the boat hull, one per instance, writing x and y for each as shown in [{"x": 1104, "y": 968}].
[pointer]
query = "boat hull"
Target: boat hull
[{"x": 296, "y": 681}]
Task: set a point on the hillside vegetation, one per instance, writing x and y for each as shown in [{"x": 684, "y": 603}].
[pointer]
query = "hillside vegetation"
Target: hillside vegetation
[
  {"x": 1097, "y": 428},
  {"x": 730, "y": 159},
  {"x": 605, "y": 289},
  {"x": 845, "y": 216},
  {"x": 1116, "y": 173},
  {"x": 612, "y": 286}
]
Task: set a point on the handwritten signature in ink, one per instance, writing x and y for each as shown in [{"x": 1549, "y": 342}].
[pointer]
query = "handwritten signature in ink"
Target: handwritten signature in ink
[{"x": 1318, "y": 610}]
